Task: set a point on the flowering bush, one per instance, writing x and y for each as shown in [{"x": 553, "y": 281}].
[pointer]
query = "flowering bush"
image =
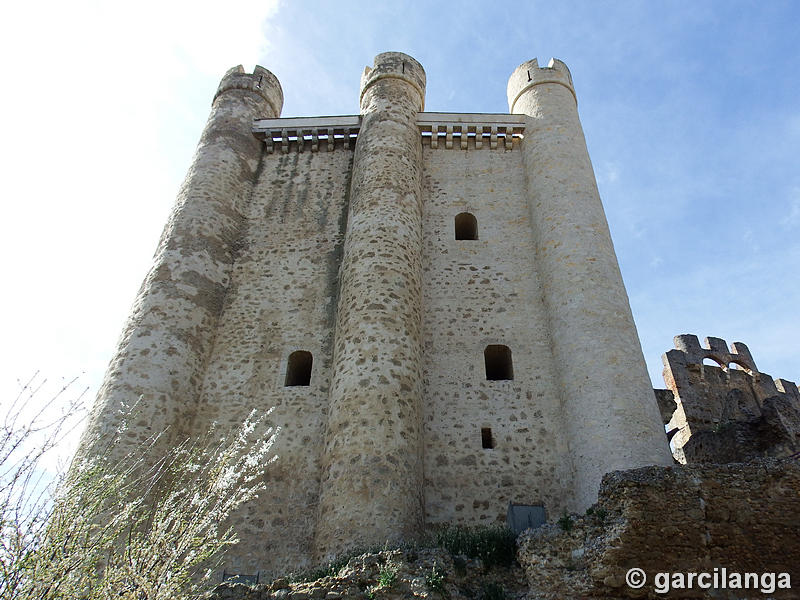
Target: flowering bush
[{"x": 130, "y": 529}]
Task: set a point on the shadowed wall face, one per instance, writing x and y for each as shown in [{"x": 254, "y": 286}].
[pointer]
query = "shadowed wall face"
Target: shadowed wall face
[{"x": 282, "y": 302}]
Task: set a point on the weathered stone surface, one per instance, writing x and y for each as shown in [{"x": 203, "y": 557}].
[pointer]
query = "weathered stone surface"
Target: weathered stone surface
[
  {"x": 282, "y": 299},
  {"x": 730, "y": 412},
  {"x": 164, "y": 348},
  {"x": 475, "y": 293},
  {"x": 682, "y": 519},
  {"x": 371, "y": 489}
]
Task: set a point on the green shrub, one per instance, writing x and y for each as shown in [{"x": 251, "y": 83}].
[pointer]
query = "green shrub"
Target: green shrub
[
  {"x": 435, "y": 580},
  {"x": 126, "y": 528},
  {"x": 330, "y": 569},
  {"x": 598, "y": 514},
  {"x": 493, "y": 545},
  {"x": 565, "y": 522},
  {"x": 387, "y": 576},
  {"x": 459, "y": 565}
]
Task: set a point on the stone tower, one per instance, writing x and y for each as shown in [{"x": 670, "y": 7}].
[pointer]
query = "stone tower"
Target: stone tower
[
  {"x": 372, "y": 472},
  {"x": 430, "y": 301},
  {"x": 169, "y": 336},
  {"x": 602, "y": 373}
]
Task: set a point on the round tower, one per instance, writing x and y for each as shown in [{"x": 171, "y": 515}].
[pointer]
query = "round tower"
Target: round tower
[
  {"x": 166, "y": 341},
  {"x": 371, "y": 489},
  {"x": 606, "y": 392}
]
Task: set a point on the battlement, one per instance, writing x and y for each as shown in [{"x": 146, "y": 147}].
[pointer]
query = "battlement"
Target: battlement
[
  {"x": 466, "y": 127},
  {"x": 260, "y": 81},
  {"x": 721, "y": 413},
  {"x": 529, "y": 74},
  {"x": 717, "y": 350},
  {"x": 395, "y": 65}
]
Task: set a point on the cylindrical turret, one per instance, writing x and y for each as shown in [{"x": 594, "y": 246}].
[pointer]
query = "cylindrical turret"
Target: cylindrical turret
[
  {"x": 608, "y": 398},
  {"x": 371, "y": 488},
  {"x": 169, "y": 334}
]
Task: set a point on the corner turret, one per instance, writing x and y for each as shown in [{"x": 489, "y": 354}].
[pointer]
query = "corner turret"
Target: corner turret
[
  {"x": 397, "y": 66},
  {"x": 529, "y": 75},
  {"x": 611, "y": 416},
  {"x": 168, "y": 339},
  {"x": 261, "y": 82}
]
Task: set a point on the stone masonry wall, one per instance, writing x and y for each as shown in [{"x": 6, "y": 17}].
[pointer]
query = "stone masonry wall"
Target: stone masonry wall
[
  {"x": 611, "y": 416},
  {"x": 282, "y": 299},
  {"x": 475, "y": 293},
  {"x": 372, "y": 464}
]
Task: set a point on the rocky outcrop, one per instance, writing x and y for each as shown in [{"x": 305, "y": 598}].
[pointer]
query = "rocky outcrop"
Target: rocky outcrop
[
  {"x": 715, "y": 519},
  {"x": 395, "y": 574}
]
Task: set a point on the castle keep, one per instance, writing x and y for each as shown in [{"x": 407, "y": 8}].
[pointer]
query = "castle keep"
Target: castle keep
[{"x": 430, "y": 301}]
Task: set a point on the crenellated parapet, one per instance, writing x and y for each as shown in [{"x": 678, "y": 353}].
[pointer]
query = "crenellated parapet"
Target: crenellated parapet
[
  {"x": 717, "y": 350},
  {"x": 261, "y": 82},
  {"x": 530, "y": 75},
  {"x": 394, "y": 66},
  {"x": 470, "y": 131},
  {"x": 308, "y": 133},
  {"x": 728, "y": 411}
]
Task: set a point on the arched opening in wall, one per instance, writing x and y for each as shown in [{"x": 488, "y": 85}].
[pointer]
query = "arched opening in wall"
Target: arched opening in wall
[
  {"x": 298, "y": 368},
  {"x": 466, "y": 226},
  {"x": 737, "y": 366},
  {"x": 487, "y": 441},
  {"x": 498, "y": 363},
  {"x": 712, "y": 362}
]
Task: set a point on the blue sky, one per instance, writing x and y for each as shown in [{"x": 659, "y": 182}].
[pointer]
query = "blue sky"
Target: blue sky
[{"x": 689, "y": 108}]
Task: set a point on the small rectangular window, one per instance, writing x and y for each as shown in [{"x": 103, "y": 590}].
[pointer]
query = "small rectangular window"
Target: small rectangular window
[{"x": 486, "y": 437}]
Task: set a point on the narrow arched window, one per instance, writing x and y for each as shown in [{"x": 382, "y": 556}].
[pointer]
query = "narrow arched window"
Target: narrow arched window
[
  {"x": 298, "y": 368},
  {"x": 466, "y": 226},
  {"x": 498, "y": 362}
]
